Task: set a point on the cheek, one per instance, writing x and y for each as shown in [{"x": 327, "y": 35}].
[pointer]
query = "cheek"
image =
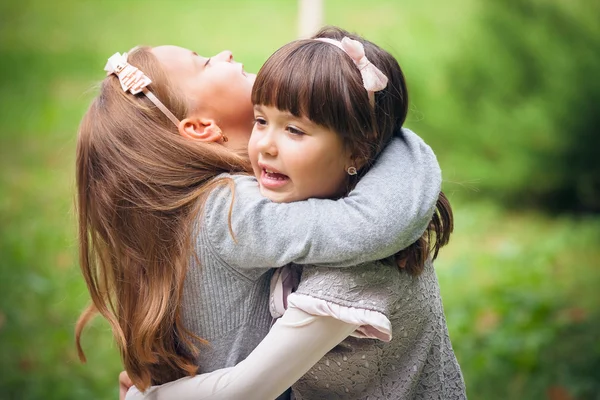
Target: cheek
[
  {"x": 238, "y": 85},
  {"x": 253, "y": 146},
  {"x": 331, "y": 156},
  {"x": 331, "y": 169},
  {"x": 229, "y": 87},
  {"x": 322, "y": 174},
  {"x": 335, "y": 175}
]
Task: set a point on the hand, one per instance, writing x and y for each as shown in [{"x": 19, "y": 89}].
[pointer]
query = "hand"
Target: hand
[{"x": 124, "y": 384}]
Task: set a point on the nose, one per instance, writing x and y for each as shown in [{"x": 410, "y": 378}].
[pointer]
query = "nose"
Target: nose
[
  {"x": 266, "y": 144},
  {"x": 225, "y": 55}
]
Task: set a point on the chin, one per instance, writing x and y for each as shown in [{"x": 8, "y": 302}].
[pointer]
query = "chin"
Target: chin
[
  {"x": 277, "y": 197},
  {"x": 274, "y": 197}
]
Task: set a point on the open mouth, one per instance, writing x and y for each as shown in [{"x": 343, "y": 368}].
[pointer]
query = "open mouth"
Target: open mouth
[
  {"x": 272, "y": 179},
  {"x": 274, "y": 175}
]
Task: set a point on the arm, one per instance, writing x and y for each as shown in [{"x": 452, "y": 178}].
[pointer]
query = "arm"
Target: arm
[
  {"x": 389, "y": 209},
  {"x": 294, "y": 344}
]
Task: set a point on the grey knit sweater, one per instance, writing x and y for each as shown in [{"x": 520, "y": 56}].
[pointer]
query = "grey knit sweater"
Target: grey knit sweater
[
  {"x": 226, "y": 293},
  {"x": 418, "y": 363}
]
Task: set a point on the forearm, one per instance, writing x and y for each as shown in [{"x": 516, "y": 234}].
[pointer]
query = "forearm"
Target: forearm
[
  {"x": 294, "y": 344},
  {"x": 389, "y": 209}
]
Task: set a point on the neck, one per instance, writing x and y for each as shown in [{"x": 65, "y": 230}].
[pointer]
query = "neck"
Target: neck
[{"x": 237, "y": 138}]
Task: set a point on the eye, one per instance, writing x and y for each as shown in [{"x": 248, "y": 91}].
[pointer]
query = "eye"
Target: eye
[
  {"x": 294, "y": 131},
  {"x": 260, "y": 121},
  {"x": 207, "y": 61}
]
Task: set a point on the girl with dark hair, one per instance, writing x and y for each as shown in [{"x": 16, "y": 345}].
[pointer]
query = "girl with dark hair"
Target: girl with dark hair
[
  {"x": 324, "y": 110},
  {"x": 176, "y": 241}
]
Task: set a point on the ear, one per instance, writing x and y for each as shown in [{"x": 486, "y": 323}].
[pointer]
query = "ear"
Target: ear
[{"x": 202, "y": 129}]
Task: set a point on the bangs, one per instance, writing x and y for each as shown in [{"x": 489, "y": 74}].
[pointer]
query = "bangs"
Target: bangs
[{"x": 314, "y": 80}]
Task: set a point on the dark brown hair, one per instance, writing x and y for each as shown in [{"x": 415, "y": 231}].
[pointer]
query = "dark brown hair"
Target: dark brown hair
[
  {"x": 316, "y": 80},
  {"x": 140, "y": 187}
]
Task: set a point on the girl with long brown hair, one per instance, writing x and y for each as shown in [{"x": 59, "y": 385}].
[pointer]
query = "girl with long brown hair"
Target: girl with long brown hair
[
  {"x": 177, "y": 242},
  {"x": 337, "y": 101}
]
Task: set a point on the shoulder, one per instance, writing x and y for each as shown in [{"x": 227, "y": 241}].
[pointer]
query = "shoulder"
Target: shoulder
[
  {"x": 362, "y": 295},
  {"x": 370, "y": 285},
  {"x": 224, "y": 186},
  {"x": 215, "y": 222},
  {"x": 227, "y": 209},
  {"x": 415, "y": 145},
  {"x": 227, "y": 188}
]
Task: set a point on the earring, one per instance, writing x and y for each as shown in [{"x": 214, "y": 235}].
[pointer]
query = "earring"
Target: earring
[
  {"x": 218, "y": 130},
  {"x": 351, "y": 170}
]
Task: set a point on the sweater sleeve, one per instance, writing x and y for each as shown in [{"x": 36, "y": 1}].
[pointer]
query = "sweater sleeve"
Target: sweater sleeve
[
  {"x": 294, "y": 344},
  {"x": 388, "y": 210}
]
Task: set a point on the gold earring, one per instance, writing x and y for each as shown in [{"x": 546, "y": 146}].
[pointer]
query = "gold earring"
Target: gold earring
[
  {"x": 220, "y": 132},
  {"x": 351, "y": 170}
]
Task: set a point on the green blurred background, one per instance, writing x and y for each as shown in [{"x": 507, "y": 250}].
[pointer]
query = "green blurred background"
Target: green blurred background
[{"x": 506, "y": 92}]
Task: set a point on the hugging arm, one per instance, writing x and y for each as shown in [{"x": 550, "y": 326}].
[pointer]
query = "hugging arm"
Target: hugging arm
[
  {"x": 295, "y": 343},
  {"x": 322, "y": 313},
  {"x": 388, "y": 210}
]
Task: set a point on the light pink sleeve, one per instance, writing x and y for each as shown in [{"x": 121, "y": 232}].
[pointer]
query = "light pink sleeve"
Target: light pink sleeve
[{"x": 370, "y": 324}]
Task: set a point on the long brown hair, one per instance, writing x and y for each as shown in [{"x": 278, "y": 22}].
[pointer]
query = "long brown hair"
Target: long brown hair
[
  {"x": 140, "y": 187},
  {"x": 336, "y": 99}
]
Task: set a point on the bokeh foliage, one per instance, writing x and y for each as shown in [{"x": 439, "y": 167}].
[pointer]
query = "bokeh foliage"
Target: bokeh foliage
[
  {"x": 506, "y": 93},
  {"x": 517, "y": 103}
]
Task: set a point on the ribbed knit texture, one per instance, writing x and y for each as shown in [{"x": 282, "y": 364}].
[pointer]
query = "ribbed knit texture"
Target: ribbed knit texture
[{"x": 228, "y": 311}]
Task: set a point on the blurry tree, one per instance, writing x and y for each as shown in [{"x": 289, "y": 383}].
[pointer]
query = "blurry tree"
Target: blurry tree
[{"x": 521, "y": 108}]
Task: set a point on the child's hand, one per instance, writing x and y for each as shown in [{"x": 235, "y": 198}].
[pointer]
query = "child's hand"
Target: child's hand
[{"x": 124, "y": 384}]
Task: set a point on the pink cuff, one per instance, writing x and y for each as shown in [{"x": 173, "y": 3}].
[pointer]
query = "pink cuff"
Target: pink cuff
[{"x": 371, "y": 324}]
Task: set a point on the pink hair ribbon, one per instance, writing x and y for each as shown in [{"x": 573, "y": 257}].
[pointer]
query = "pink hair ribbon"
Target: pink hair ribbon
[
  {"x": 373, "y": 79},
  {"x": 135, "y": 81}
]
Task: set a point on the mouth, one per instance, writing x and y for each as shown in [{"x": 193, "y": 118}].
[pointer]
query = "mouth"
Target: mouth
[
  {"x": 270, "y": 178},
  {"x": 248, "y": 75}
]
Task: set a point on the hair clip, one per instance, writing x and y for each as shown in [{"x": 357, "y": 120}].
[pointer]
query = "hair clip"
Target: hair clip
[
  {"x": 373, "y": 79},
  {"x": 135, "y": 81}
]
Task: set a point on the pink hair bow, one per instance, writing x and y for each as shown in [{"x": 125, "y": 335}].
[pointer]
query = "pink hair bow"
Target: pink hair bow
[
  {"x": 135, "y": 81},
  {"x": 373, "y": 79}
]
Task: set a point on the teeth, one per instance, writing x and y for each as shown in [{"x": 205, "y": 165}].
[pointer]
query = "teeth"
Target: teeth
[{"x": 268, "y": 171}]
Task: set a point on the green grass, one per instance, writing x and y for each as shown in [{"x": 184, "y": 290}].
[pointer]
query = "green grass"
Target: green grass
[
  {"x": 519, "y": 287},
  {"x": 520, "y": 294}
]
